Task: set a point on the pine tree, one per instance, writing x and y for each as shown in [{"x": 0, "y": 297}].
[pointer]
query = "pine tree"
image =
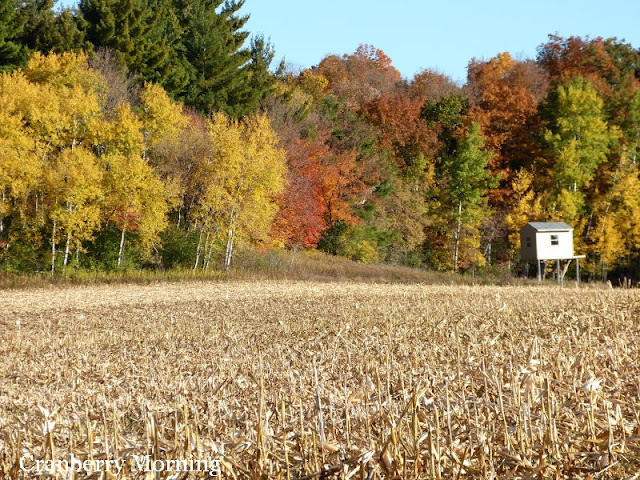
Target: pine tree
[
  {"x": 213, "y": 48},
  {"x": 139, "y": 32},
  {"x": 259, "y": 80},
  {"x": 64, "y": 35},
  {"x": 12, "y": 52},
  {"x": 38, "y": 19}
]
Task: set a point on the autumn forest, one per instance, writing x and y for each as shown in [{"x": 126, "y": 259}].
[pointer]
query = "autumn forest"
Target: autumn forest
[{"x": 161, "y": 134}]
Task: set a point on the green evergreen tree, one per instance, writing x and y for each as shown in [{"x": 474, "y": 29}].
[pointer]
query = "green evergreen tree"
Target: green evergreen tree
[
  {"x": 12, "y": 52},
  {"x": 66, "y": 34},
  {"x": 259, "y": 80},
  {"x": 47, "y": 30},
  {"x": 139, "y": 32},
  {"x": 39, "y": 18},
  {"x": 213, "y": 47}
]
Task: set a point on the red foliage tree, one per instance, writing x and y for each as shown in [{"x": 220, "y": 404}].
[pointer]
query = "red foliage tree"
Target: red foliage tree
[
  {"x": 301, "y": 218},
  {"x": 341, "y": 185},
  {"x": 504, "y": 95},
  {"x": 402, "y": 130}
]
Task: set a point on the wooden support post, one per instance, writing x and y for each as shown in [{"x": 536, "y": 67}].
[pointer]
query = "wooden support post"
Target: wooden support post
[
  {"x": 565, "y": 268},
  {"x": 539, "y": 272},
  {"x": 558, "y": 270},
  {"x": 578, "y": 270}
]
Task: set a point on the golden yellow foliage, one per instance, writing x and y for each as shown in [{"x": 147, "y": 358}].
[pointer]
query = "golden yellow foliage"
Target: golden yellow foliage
[
  {"x": 162, "y": 118},
  {"x": 75, "y": 182},
  {"x": 240, "y": 181},
  {"x": 526, "y": 208}
]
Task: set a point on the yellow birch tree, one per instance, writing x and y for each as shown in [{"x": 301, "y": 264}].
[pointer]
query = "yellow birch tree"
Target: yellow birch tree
[{"x": 243, "y": 176}]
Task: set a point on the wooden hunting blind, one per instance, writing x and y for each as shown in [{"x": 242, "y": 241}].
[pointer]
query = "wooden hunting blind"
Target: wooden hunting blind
[{"x": 542, "y": 241}]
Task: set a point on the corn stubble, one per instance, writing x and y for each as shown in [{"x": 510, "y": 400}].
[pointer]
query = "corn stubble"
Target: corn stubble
[{"x": 301, "y": 380}]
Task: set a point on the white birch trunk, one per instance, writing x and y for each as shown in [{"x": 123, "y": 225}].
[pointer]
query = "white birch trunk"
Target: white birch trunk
[
  {"x": 53, "y": 248},
  {"x": 204, "y": 250},
  {"x": 209, "y": 255},
  {"x": 66, "y": 252},
  {"x": 195, "y": 265},
  {"x": 229, "y": 251},
  {"x": 121, "y": 251},
  {"x": 66, "y": 249},
  {"x": 2, "y": 218}
]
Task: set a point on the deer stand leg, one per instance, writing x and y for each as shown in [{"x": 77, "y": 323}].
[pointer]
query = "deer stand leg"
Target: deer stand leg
[
  {"x": 539, "y": 271},
  {"x": 565, "y": 269}
]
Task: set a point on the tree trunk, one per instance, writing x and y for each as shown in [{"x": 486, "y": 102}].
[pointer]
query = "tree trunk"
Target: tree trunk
[
  {"x": 53, "y": 248},
  {"x": 229, "y": 252},
  {"x": 66, "y": 249},
  {"x": 588, "y": 229},
  {"x": 487, "y": 252},
  {"x": 66, "y": 252},
  {"x": 209, "y": 255},
  {"x": 204, "y": 250},
  {"x": 195, "y": 265},
  {"x": 456, "y": 248},
  {"x": 2, "y": 218},
  {"x": 121, "y": 250}
]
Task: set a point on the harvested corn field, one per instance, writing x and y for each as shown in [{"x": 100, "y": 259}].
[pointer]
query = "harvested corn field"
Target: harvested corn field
[{"x": 303, "y": 380}]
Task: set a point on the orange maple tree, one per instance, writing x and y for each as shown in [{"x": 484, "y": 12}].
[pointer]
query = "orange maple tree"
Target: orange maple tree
[
  {"x": 402, "y": 130},
  {"x": 359, "y": 77},
  {"x": 504, "y": 97}
]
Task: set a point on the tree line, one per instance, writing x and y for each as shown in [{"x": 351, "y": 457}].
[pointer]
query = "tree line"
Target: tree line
[{"x": 147, "y": 133}]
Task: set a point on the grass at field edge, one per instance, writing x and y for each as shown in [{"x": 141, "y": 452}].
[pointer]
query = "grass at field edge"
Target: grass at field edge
[{"x": 280, "y": 265}]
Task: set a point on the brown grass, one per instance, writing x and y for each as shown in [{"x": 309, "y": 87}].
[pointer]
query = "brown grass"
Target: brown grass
[
  {"x": 326, "y": 380},
  {"x": 268, "y": 265}
]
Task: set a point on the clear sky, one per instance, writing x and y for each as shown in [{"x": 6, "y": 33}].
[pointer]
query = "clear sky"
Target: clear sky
[{"x": 443, "y": 35}]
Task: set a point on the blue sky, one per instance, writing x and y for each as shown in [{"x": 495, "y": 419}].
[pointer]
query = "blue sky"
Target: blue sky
[{"x": 434, "y": 34}]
